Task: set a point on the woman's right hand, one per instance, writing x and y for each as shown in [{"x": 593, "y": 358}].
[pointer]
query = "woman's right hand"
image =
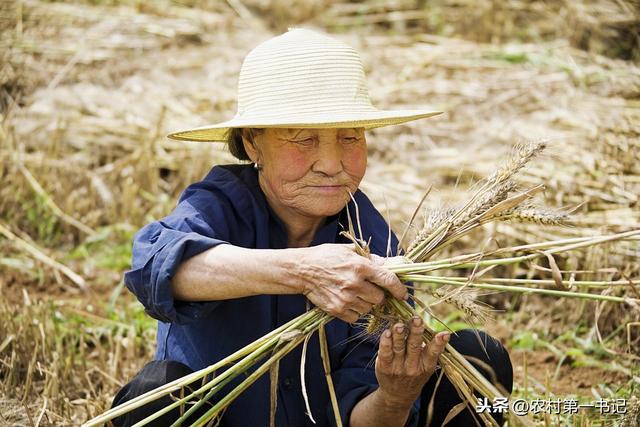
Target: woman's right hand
[{"x": 343, "y": 283}]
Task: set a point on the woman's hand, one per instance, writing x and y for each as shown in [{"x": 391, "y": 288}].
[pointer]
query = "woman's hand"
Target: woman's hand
[
  {"x": 343, "y": 283},
  {"x": 405, "y": 363}
]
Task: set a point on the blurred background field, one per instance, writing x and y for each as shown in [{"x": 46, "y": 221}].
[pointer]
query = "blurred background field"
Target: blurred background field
[{"x": 88, "y": 90}]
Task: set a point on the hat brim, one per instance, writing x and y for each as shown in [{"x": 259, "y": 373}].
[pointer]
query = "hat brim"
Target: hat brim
[{"x": 367, "y": 120}]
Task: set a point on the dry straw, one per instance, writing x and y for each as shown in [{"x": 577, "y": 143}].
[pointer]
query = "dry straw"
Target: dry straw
[{"x": 84, "y": 112}]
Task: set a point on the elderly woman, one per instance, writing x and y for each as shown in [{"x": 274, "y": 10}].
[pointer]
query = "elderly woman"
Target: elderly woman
[{"x": 252, "y": 246}]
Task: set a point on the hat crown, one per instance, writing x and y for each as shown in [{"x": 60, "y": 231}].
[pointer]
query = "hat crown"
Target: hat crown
[{"x": 302, "y": 71}]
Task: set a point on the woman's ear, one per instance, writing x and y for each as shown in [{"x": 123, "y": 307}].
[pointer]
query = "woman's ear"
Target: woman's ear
[{"x": 248, "y": 140}]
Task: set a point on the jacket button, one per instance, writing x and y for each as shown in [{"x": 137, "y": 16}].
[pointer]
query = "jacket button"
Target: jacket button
[{"x": 287, "y": 382}]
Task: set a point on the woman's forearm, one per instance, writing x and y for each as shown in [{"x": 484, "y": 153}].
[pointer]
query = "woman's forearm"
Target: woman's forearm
[
  {"x": 332, "y": 276},
  {"x": 379, "y": 411},
  {"x": 227, "y": 272}
]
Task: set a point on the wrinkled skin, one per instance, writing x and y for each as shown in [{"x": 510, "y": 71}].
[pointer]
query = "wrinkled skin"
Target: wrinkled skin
[{"x": 308, "y": 173}]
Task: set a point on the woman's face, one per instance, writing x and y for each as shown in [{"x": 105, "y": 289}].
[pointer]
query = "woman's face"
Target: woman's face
[{"x": 309, "y": 172}]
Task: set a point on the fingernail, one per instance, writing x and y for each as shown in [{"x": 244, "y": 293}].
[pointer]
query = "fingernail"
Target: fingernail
[
  {"x": 399, "y": 328},
  {"x": 444, "y": 337},
  {"x": 387, "y": 333},
  {"x": 417, "y": 321}
]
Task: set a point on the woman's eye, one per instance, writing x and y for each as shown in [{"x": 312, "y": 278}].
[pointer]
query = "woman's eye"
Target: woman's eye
[
  {"x": 350, "y": 139},
  {"x": 304, "y": 141}
]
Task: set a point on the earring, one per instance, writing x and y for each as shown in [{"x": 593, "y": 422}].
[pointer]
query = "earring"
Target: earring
[{"x": 257, "y": 167}]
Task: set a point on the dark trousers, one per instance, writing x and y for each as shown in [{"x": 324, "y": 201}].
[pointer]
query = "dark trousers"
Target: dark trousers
[{"x": 157, "y": 373}]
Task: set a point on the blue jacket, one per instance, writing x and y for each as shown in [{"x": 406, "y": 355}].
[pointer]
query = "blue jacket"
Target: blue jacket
[{"x": 229, "y": 207}]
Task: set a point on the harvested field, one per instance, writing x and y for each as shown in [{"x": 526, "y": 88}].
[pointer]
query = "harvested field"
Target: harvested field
[{"x": 88, "y": 90}]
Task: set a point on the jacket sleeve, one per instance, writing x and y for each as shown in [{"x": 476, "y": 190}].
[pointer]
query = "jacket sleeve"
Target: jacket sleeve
[{"x": 199, "y": 222}]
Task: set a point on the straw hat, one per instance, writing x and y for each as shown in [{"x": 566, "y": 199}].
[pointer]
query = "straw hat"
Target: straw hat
[{"x": 302, "y": 79}]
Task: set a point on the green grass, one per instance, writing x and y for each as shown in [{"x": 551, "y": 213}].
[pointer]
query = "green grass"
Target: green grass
[
  {"x": 74, "y": 353},
  {"x": 109, "y": 248}
]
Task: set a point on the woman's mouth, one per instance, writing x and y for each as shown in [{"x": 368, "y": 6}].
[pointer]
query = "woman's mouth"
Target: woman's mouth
[{"x": 330, "y": 189}]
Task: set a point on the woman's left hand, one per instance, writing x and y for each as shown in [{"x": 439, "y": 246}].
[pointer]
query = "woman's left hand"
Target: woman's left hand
[{"x": 404, "y": 363}]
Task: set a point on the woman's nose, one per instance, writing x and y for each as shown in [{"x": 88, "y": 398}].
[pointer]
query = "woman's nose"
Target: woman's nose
[{"x": 329, "y": 157}]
